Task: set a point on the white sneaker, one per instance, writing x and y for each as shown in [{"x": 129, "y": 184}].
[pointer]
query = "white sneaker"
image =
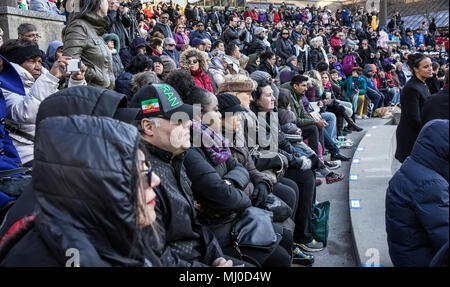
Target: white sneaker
[
  {"x": 365, "y": 117},
  {"x": 357, "y": 117}
]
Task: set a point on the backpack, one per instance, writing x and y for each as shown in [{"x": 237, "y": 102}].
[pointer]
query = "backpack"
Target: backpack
[{"x": 347, "y": 64}]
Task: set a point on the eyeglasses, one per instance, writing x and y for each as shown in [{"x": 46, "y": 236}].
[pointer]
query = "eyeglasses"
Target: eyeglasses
[
  {"x": 192, "y": 61},
  {"x": 284, "y": 33},
  {"x": 164, "y": 17},
  {"x": 32, "y": 36}
]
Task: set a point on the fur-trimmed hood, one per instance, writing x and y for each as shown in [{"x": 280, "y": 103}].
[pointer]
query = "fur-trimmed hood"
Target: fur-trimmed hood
[{"x": 201, "y": 56}]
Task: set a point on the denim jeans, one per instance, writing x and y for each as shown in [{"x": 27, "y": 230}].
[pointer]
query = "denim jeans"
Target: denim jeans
[
  {"x": 376, "y": 98},
  {"x": 330, "y": 118}
]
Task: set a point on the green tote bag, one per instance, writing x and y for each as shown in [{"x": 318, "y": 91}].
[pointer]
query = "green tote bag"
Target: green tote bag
[{"x": 320, "y": 215}]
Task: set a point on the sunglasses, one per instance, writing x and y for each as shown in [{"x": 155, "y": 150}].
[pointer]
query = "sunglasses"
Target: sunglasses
[
  {"x": 193, "y": 61},
  {"x": 148, "y": 172}
]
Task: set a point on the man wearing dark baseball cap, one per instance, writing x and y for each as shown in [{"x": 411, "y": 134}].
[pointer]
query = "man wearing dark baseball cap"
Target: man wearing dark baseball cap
[
  {"x": 159, "y": 101},
  {"x": 182, "y": 237}
]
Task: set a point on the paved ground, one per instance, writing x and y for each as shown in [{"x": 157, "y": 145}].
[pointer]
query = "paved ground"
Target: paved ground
[{"x": 339, "y": 252}]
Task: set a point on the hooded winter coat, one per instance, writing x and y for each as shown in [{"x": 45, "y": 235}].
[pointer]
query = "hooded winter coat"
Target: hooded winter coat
[
  {"x": 51, "y": 50},
  {"x": 201, "y": 78},
  {"x": 118, "y": 67},
  {"x": 417, "y": 218},
  {"x": 21, "y": 110},
  {"x": 82, "y": 209},
  {"x": 81, "y": 100},
  {"x": 83, "y": 39},
  {"x": 412, "y": 99},
  {"x": 9, "y": 80}
]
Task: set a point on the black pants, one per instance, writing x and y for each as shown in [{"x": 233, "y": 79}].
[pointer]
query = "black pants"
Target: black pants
[
  {"x": 306, "y": 182},
  {"x": 313, "y": 134},
  {"x": 287, "y": 191},
  {"x": 281, "y": 257}
]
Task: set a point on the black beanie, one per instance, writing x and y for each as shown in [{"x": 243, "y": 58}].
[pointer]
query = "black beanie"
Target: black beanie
[{"x": 20, "y": 55}]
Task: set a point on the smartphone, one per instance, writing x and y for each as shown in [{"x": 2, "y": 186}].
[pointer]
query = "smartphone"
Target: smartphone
[{"x": 74, "y": 65}]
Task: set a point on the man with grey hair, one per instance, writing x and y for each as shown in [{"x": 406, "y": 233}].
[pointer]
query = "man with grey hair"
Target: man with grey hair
[{"x": 28, "y": 32}]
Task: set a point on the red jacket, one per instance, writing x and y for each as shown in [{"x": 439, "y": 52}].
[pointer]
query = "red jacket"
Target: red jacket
[
  {"x": 254, "y": 15},
  {"x": 202, "y": 80},
  {"x": 276, "y": 17},
  {"x": 335, "y": 42}
]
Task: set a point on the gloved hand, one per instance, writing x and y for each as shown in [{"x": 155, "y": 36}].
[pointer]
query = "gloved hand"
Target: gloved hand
[
  {"x": 301, "y": 162},
  {"x": 315, "y": 161},
  {"x": 259, "y": 194}
]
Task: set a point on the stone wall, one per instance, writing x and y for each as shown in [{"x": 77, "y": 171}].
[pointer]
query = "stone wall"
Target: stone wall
[{"x": 49, "y": 26}]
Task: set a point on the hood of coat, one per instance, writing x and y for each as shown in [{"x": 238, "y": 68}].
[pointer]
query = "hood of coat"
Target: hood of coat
[
  {"x": 431, "y": 148},
  {"x": 9, "y": 78},
  {"x": 193, "y": 52},
  {"x": 86, "y": 195},
  {"x": 51, "y": 50},
  {"x": 138, "y": 42},
  {"x": 85, "y": 100},
  {"x": 99, "y": 24},
  {"x": 113, "y": 37}
]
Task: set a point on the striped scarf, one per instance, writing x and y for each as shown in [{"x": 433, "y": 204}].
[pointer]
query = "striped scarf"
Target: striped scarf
[{"x": 214, "y": 145}]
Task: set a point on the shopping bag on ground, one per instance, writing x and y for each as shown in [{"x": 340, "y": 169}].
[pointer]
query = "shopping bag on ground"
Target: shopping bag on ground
[{"x": 320, "y": 215}]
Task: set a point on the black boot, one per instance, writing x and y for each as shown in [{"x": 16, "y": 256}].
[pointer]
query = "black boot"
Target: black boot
[
  {"x": 351, "y": 123},
  {"x": 339, "y": 156}
]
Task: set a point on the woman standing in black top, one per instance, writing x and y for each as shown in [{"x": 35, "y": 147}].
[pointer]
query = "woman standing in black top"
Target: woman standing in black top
[{"x": 411, "y": 101}]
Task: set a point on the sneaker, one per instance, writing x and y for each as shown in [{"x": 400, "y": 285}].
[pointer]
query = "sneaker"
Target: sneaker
[
  {"x": 318, "y": 174},
  {"x": 365, "y": 117},
  {"x": 300, "y": 258},
  {"x": 332, "y": 164},
  {"x": 313, "y": 246},
  {"x": 357, "y": 117},
  {"x": 334, "y": 177}
]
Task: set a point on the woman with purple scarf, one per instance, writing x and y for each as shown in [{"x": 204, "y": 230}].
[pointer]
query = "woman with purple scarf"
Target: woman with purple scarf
[{"x": 219, "y": 182}]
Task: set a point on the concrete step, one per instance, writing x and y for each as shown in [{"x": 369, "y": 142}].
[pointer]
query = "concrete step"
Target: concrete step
[{"x": 369, "y": 176}]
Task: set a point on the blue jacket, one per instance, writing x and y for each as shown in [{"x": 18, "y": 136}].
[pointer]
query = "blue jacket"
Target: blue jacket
[
  {"x": 9, "y": 158},
  {"x": 9, "y": 80},
  {"x": 406, "y": 40},
  {"x": 174, "y": 55},
  {"x": 417, "y": 222},
  {"x": 419, "y": 39},
  {"x": 201, "y": 35}
]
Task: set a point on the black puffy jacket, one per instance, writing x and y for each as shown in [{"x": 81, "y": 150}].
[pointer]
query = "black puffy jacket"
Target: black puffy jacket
[
  {"x": 209, "y": 186},
  {"x": 86, "y": 197},
  {"x": 80, "y": 100},
  {"x": 185, "y": 243}
]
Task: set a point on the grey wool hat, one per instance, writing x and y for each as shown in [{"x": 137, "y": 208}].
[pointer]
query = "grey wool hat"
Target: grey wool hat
[{"x": 260, "y": 75}]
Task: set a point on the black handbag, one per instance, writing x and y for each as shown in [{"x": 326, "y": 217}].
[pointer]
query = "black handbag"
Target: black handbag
[
  {"x": 253, "y": 235},
  {"x": 281, "y": 211}
]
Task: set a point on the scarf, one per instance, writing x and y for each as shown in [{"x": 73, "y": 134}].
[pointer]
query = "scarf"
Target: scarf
[
  {"x": 327, "y": 86},
  {"x": 215, "y": 146},
  {"x": 155, "y": 52}
]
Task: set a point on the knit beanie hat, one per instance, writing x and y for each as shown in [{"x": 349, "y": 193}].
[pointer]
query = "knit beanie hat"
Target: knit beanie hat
[
  {"x": 22, "y": 54},
  {"x": 259, "y": 76}
]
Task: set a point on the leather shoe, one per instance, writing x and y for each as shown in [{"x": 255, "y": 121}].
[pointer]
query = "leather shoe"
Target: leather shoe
[{"x": 340, "y": 157}]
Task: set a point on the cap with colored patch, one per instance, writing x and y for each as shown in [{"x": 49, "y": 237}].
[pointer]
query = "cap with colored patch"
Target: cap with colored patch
[{"x": 159, "y": 100}]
